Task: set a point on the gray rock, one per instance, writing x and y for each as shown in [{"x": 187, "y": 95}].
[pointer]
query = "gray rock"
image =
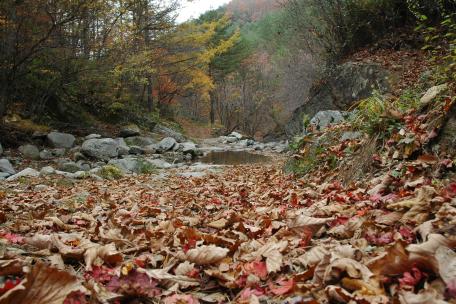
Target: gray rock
[
  {"x": 79, "y": 156},
  {"x": 151, "y": 149},
  {"x": 135, "y": 150},
  {"x": 59, "y": 152},
  {"x": 123, "y": 147},
  {"x": 4, "y": 175},
  {"x": 41, "y": 187},
  {"x": 130, "y": 131},
  {"x": 167, "y": 132},
  {"x": 231, "y": 139},
  {"x": 350, "y": 135},
  {"x": 85, "y": 166},
  {"x": 127, "y": 165},
  {"x": 39, "y": 135},
  {"x": 140, "y": 141},
  {"x": 160, "y": 163},
  {"x": 323, "y": 119},
  {"x": 259, "y": 147},
  {"x": 237, "y": 135},
  {"x": 347, "y": 84},
  {"x": 1, "y": 149},
  {"x": 46, "y": 155},
  {"x": 29, "y": 172},
  {"x": 29, "y": 151},
  {"x": 104, "y": 148},
  {"x": 61, "y": 140},
  {"x": 92, "y": 136},
  {"x": 48, "y": 170},
  {"x": 189, "y": 147},
  {"x": 197, "y": 174},
  {"x": 432, "y": 93},
  {"x": 66, "y": 174},
  {"x": 70, "y": 167},
  {"x": 188, "y": 157},
  {"x": 167, "y": 143},
  {"x": 246, "y": 142}
]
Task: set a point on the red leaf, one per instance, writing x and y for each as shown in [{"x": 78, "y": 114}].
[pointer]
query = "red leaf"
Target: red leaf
[
  {"x": 412, "y": 278},
  {"x": 13, "y": 238},
  {"x": 283, "y": 287},
  {"x": 9, "y": 284},
  {"x": 257, "y": 268},
  {"x": 248, "y": 292}
]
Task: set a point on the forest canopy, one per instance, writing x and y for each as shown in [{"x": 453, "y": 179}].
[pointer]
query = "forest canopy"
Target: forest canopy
[{"x": 246, "y": 65}]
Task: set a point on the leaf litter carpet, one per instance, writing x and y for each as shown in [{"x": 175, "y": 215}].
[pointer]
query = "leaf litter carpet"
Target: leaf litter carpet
[{"x": 250, "y": 234}]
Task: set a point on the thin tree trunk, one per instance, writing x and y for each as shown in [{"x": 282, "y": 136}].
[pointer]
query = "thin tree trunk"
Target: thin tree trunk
[{"x": 150, "y": 98}]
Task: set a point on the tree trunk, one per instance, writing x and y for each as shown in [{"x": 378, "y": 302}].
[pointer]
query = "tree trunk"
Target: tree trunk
[
  {"x": 212, "y": 110},
  {"x": 150, "y": 98}
]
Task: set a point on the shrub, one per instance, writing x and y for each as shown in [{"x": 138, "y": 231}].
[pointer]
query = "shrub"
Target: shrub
[{"x": 110, "y": 172}]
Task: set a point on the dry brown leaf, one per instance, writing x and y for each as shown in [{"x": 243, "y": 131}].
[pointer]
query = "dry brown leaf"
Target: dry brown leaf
[
  {"x": 219, "y": 224},
  {"x": 205, "y": 255},
  {"x": 423, "y": 198},
  {"x": 446, "y": 260},
  {"x": 274, "y": 260},
  {"x": 42, "y": 285},
  {"x": 313, "y": 256},
  {"x": 184, "y": 268},
  {"x": 354, "y": 270},
  {"x": 108, "y": 253},
  {"x": 431, "y": 294}
]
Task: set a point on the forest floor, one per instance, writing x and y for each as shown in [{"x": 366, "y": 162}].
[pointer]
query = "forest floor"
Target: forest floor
[{"x": 243, "y": 234}]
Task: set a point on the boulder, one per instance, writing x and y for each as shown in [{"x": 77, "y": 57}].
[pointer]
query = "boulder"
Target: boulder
[
  {"x": 237, "y": 135},
  {"x": 78, "y": 156},
  {"x": 167, "y": 132},
  {"x": 323, "y": 119},
  {"x": 29, "y": 172},
  {"x": 129, "y": 131},
  {"x": 167, "y": 143},
  {"x": 230, "y": 139},
  {"x": 160, "y": 163},
  {"x": 123, "y": 147},
  {"x": 136, "y": 150},
  {"x": 6, "y": 167},
  {"x": 1, "y": 149},
  {"x": 70, "y": 167},
  {"x": 59, "y": 152},
  {"x": 432, "y": 93},
  {"x": 347, "y": 84},
  {"x": 189, "y": 147},
  {"x": 46, "y": 155},
  {"x": 92, "y": 136},
  {"x": 151, "y": 149},
  {"x": 102, "y": 149},
  {"x": 4, "y": 175},
  {"x": 29, "y": 151},
  {"x": 140, "y": 141},
  {"x": 48, "y": 170},
  {"x": 61, "y": 140}
]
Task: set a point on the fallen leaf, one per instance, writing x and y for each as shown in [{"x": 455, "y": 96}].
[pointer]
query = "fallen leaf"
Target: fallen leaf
[{"x": 42, "y": 285}]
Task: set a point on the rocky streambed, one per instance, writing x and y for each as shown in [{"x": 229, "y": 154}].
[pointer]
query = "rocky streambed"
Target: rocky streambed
[{"x": 131, "y": 152}]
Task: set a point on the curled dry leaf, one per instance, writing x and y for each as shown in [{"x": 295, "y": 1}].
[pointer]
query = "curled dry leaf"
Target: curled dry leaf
[
  {"x": 446, "y": 259},
  {"x": 423, "y": 197},
  {"x": 354, "y": 270},
  {"x": 313, "y": 256},
  {"x": 42, "y": 285},
  {"x": 184, "y": 268},
  {"x": 107, "y": 253},
  {"x": 205, "y": 255},
  {"x": 425, "y": 252}
]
